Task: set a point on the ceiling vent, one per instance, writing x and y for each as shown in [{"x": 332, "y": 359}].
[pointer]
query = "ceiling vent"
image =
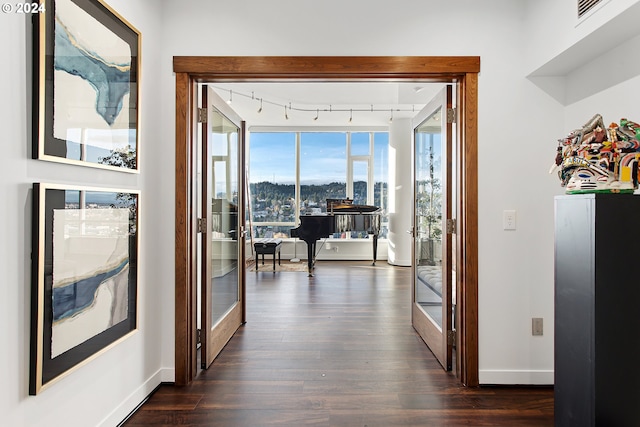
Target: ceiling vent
[{"x": 585, "y": 6}]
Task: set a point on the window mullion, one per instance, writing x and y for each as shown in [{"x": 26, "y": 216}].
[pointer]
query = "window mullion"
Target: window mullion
[
  {"x": 297, "y": 183},
  {"x": 349, "y": 189},
  {"x": 370, "y": 182}
]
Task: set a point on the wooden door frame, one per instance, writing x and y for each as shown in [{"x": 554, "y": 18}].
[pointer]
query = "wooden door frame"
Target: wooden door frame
[{"x": 190, "y": 70}]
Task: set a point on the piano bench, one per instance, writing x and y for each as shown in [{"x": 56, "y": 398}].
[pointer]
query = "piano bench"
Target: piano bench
[{"x": 267, "y": 246}]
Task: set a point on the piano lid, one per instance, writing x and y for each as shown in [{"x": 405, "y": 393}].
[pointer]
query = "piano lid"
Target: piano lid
[{"x": 347, "y": 206}]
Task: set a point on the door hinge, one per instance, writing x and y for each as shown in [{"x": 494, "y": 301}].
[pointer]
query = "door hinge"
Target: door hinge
[
  {"x": 202, "y": 115},
  {"x": 451, "y": 115},
  {"x": 451, "y": 337},
  {"x": 452, "y": 225},
  {"x": 198, "y": 337},
  {"x": 202, "y": 225}
]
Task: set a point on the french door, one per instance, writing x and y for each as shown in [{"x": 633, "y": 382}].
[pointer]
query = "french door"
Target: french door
[
  {"x": 434, "y": 221},
  {"x": 222, "y": 226}
]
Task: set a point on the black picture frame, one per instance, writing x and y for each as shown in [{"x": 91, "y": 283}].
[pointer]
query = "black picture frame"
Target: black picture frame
[
  {"x": 84, "y": 276},
  {"x": 86, "y": 86}
]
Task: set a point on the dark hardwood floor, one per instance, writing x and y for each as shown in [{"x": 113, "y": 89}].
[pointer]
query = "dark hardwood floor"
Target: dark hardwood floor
[{"x": 336, "y": 349}]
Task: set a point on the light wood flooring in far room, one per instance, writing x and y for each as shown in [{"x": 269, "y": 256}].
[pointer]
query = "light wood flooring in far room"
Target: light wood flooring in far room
[{"x": 336, "y": 349}]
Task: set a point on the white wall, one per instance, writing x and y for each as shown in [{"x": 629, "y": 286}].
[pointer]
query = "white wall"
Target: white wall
[
  {"x": 104, "y": 391},
  {"x": 619, "y": 101},
  {"x": 571, "y": 58},
  {"x": 401, "y": 196},
  {"x": 554, "y": 29},
  {"x": 519, "y": 124}
]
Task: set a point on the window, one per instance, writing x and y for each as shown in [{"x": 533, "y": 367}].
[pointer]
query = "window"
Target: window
[
  {"x": 360, "y": 143},
  {"x": 360, "y": 182},
  {"x": 381, "y": 173},
  {"x": 329, "y": 165},
  {"x": 272, "y": 164},
  {"x": 323, "y": 169}
]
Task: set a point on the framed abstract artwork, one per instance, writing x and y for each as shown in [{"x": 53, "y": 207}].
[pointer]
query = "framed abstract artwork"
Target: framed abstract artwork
[
  {"x": 86, "y": 86},
  {"x": 84, "y": 276}
]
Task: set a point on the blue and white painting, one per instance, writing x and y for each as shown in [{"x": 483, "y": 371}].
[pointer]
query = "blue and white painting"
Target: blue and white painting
[
  {"x": 90, "y": 274},
  {"x": 92, "y": 86}
]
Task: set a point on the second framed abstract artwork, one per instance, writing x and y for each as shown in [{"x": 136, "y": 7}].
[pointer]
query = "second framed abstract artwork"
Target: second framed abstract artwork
[
  {"x": 86, "y": 80},
  {"x": 84, "y": 276}
]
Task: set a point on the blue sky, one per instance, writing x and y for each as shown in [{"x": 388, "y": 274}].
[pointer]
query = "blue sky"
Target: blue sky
[{"x": 322, "y": 158}]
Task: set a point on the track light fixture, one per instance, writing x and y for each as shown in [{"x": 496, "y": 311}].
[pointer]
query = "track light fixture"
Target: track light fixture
[{"x": 289, "y": 107}]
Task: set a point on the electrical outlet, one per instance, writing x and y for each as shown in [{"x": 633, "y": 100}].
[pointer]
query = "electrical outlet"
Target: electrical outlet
[
  {"x": 536, "y": 326},
  {"x": 509, "y": 220}
]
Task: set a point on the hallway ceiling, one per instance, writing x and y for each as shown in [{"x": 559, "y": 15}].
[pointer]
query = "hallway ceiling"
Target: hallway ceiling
[{"x": 333, "y": 103}]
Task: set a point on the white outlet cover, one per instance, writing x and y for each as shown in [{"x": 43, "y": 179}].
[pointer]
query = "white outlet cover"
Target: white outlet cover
[{"x": 509, "y": 219}]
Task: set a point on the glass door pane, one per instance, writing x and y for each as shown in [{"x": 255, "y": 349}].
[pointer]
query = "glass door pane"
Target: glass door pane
[
  {"x": 432, "y": 308},
  {"x": 224, "y": 225},
  {"x": 428, "y": 146}
]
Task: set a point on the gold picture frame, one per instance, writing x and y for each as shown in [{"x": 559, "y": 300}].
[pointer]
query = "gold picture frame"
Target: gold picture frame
[
  {"x": 86, "y": 86},
  {"x": 84, "y": 276}
]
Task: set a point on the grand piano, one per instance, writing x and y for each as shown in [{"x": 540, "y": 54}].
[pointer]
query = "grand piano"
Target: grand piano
[{"x": 342, "y": 216}]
